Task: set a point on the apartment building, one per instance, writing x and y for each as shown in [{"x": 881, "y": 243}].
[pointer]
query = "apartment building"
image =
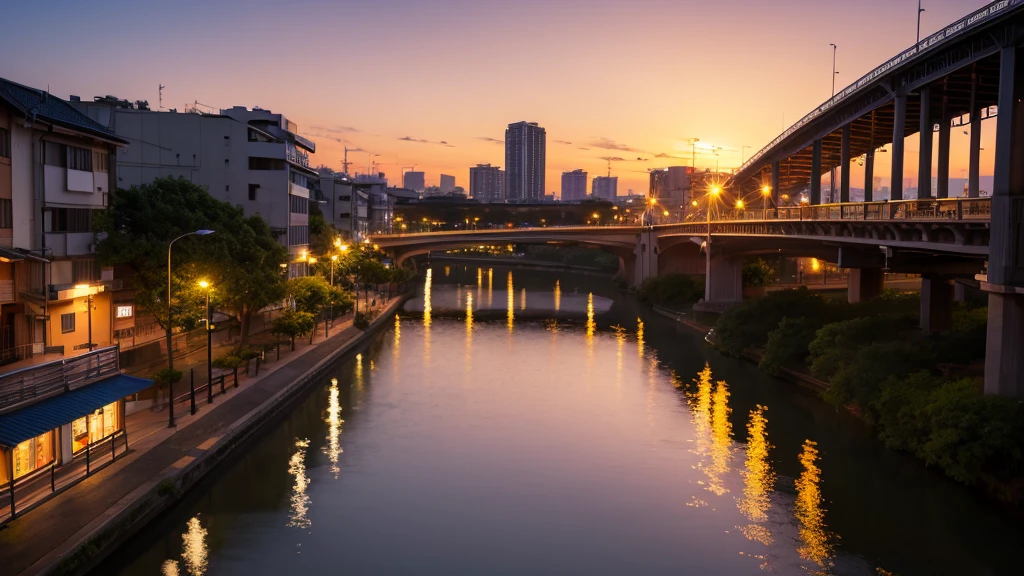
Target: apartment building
[
  {"x": 56, "y": 172},
  {"x": 253, "y": 158}
]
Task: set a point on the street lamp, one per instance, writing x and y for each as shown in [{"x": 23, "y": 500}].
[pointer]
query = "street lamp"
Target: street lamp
[
  {"x": 766, "y": 193},
  {"x": 919, "y": 10},
  {"x": 170, "y": 353},
  {"x": 209, "y": 341},
  {"x": 713, "y": 193}
]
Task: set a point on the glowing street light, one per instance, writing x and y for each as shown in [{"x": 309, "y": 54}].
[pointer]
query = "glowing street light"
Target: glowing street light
[
  {"x": 739, "y": 204},
  {"x": 209, "y": 344},
  {"x": 170, "y": 351}
]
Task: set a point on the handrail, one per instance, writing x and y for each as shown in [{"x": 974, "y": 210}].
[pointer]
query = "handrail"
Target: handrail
[{"x": 48, "y": 379}]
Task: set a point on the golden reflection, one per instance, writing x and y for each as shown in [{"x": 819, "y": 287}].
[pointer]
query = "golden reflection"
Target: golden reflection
[
  {"x": 558, "y": 296},
  {"x": 334, "y": 422},
  {"x": 721, "y": 439},
  {"x": 447, "y": 271},
  {"x": 169, "y": 568},
  {"x": 620, "y": 340},
  {"x": 511, "y": 302},
  {"x": 490, "y": 286},
  {"x": 522, "y": 300},
  {"x": 640, "y": 342},
  {"x": 591, "y": 325},
  {"x": 469, "y": 313},
  {"x": 193, "y": 548},
  {"x": 426, "y": 298},
  {"x": 299, "y": 498},
  {"x": 816, "y": 545},
  {"x": 398, "y": 333},
  {"x": 359, "y": 372},
  {"x": 758, "y": 479},
  {"x": 479, "y": 281}
]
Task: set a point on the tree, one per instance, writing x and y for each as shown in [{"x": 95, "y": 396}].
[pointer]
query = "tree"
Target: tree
[
  {"x": 293, "y": 324},
  {"x": 242, "y": 259}
]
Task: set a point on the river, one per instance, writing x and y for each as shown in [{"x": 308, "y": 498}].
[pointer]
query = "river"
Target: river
[{"x": 532, "y": 422}]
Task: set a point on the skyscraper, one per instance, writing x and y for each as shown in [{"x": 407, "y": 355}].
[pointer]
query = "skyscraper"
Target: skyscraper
[
  {"x": 574, "y": 186},
  {"x": 605, "y": 188},
  {"x": 447, "y": 184},
  {"x": 414, "y": 181},
  {"x": 487, "y": 183},
  {"x": 524, "y": 162}
]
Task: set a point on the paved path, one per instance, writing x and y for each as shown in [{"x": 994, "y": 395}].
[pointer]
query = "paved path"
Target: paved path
[{"x": 30, "y": 544}]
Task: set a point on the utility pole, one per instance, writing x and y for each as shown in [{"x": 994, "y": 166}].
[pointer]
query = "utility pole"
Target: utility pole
[
  {"x": 345, "y": 163},
  {"x": 919, "y": 10},
  {"x": 832, "y": 172}
]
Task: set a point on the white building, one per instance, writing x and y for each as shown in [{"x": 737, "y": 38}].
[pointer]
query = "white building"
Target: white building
[
  {"x": 487, "y": 183},
  {"x": 414, "y": 181},
  {"x": 605, "y": 188},
  {"x": 252, "y": 158},
  {"x": 574, "y": 186},
  {"x": 447, "y": 184}
]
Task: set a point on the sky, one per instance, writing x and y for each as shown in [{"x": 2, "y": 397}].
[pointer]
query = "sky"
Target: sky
[{"x": 434, "y": 83}]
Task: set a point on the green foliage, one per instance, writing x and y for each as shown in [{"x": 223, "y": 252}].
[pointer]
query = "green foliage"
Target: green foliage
[
  {"x": 671, "y": 289},
  {"x": 758, "y": 272},
  {"x": 293, "y": 323},
  {"x": 619, "y": 281},
  {"x": 747, "y": 325},
  {"x": 241, "y": 259},
  {"x": 311, "y": 293},
  {"x": 228, "y": 362},
  {"x": 248, "y": 353},
  {"x": 787, "y": 344},
  {"x": 166, "y": 376},
  {"x": 361, "y": 321}
]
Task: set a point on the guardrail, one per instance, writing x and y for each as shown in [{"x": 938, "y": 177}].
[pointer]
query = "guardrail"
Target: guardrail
[{"x": 64, "y": 375}]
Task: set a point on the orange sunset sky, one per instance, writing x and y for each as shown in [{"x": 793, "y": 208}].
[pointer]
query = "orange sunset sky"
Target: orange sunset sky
[{"x": 433, "y": 83}]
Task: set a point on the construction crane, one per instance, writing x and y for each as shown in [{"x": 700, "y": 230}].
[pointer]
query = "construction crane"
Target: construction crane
[{"x": 345, "y": 163}]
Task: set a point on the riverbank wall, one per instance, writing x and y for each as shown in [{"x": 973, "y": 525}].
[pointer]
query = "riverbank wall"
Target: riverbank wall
[{"x": 167, "y": 487}]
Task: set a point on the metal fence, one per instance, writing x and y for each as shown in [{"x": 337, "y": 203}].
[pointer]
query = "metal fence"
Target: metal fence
[{"x": 51, "y": 378}]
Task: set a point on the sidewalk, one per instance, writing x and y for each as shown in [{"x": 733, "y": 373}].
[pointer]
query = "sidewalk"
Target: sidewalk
[{"x": 51, "y": 533}]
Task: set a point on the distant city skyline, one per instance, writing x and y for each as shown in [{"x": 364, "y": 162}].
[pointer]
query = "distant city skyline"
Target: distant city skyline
[{"x": 775, "y": 67}]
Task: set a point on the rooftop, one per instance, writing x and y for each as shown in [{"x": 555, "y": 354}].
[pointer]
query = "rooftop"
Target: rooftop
[{"x": 39, "y": 105}]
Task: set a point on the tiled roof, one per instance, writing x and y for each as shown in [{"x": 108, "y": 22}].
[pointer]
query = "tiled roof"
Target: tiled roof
[{"x": 49, "y": 108}]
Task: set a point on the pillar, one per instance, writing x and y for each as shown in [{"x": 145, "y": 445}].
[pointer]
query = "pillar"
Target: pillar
[
  {"x": 864, "y": 284},
  {"x": 816, "y": 173},
  {"x": 869, "y": 175},
  {"x": 725, "y": 280},
  {"x": 645, "y": 257},
  {"x": 924, "y": 159},
  {"x": 776, "y": 178},
  {"x": 1004, "y": 363},
  {"x": 974, "y": 169},
  {"x": 899, "y": 124},
  {"x": 936, "y": 303},
  {"x": 844, "y": 159},
  {"x": 942, "y": 177}
]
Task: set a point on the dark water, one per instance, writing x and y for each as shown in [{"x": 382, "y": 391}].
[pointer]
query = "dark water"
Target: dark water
[{"x": 504, "y": 442}]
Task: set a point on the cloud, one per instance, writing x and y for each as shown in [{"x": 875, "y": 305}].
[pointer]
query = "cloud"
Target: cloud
[
  {"x": 422, "y": 141},
  {"x": 639, "y": 159},
  {"x": 609, "y": 144},
  {"x": 664, "y": 155},
  {"x": 566, "y": 142},
  {"x": 582, "y": 148},
  {"x": 613, "y": 159},
  {"x": 489, "y": 139}
]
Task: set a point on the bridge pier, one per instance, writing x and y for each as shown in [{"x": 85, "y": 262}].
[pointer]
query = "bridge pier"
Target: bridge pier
[
  {"x": 974, "y": 167},
  {"x": 844, "y": 159},
  {"x": 942, "y": 178},
  {"x": 936, "y": 303},
  {"x": 864, "y": 284},
  {"x": 1004, "y": 360},
  {"x": 645, "y": 257},
  {"x": 899, "y": 124},
  {"x": 724, "y": 283},
  {"x": 816, "y": 173},
  {"x": 924, "y": 162}
]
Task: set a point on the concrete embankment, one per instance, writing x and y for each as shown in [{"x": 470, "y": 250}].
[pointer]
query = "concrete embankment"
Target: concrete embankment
[{"x": 158, "y": 478}]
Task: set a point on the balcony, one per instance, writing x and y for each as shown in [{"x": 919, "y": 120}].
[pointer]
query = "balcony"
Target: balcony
[{"x": 70, "y": 243}]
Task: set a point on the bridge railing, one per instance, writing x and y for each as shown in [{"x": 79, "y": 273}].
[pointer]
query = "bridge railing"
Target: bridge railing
[{"x": 926, "y": 209}]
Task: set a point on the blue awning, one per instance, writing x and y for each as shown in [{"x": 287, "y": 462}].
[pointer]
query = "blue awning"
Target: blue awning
[{"x": 43, "y": 416}]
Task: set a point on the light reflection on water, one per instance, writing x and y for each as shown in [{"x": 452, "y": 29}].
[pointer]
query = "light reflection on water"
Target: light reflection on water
[
  {"x": 816, "y": 540},
  {"x": 299, "y": 499}
]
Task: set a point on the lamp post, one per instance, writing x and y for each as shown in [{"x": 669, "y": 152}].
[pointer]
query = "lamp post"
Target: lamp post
[
  {"x": 170, "y": 353},
  {"x": 209, "y": 342},
  {"x": 693, "y": 156},
  {"x": 711, "y": 195},
  {"x": 919, "y": 10},
  {"x": 766, "y": 193}
]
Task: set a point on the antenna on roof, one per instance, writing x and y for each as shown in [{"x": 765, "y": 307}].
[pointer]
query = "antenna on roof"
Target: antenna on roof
[{"x": 160, "y": 92}]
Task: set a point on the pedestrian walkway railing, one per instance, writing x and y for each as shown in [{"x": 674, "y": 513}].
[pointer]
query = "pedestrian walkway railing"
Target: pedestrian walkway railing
[{"x": 43, "y": 380}]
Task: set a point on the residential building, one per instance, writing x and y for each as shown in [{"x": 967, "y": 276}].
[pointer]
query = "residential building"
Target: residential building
[
  {"x": 251, "y": 158},
  {"x": 672, "y": 187},
  {"x": 574, "y": 186},
  {"x": 447, "y": 184},
  {"x": 345, "y": 205},
  {"x": 56, "y": 173},
  {"x": 414, "y": 181},
  {"x": 487, "y": 183},
  {"x": 605, "y": 188},
  {"x": 524, "y": 162}
]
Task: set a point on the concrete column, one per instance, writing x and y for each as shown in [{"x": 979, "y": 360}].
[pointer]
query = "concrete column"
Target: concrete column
[
  {"x": 899, "y": 124},
  {"x": 816, "y": 173},
  {"x": 924, "y": 159},
  {"x": 936, "y": 304},
  {"x": 844, "y": 159},
  {"x": 869, "y": 176},
  {"x": 725, "y": 283},
  {"x": 646, "y": 257},
  {"x": 776, "y": 178},
  {"x": 959, "y": 292},
  {"x": 864, "y": 284},
  {"x": 974, "y": 169},
  {"x": 1004, "y": 362},
  {"x": 942, "y": 177},
  {"x": 627, "y": 266}
]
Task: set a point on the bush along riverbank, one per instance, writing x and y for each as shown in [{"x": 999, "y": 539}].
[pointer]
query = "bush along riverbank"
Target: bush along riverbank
[{"x": 920, "y": 392}]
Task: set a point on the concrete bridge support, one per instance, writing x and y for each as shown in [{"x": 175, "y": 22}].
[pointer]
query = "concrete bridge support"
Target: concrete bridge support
[
  {"x": 924, "y": 160},
  {"x": 942, "y": 178},
  {"x": 864, "y": 284},
  {"x": 974, "y": 162},
  {"x": 645, "y": 258},
  {"x": 844, "y": 159},
  {"x": 899, "y": 123},
  {"x": 936, "y": 303},
  {"x": 1004, "y": 357},
  {"x": 816, "y": 173},
  {"x": 724, "y": 284}
]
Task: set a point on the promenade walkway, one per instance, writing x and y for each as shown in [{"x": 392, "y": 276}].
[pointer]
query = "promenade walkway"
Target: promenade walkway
[{"x": 48, "y": 535}]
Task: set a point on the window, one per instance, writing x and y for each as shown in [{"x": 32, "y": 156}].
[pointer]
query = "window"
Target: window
[
  {"x": 5, "y": 143},
  {"x": 95, "y": 427},
  {"x": 257, "y": 163},
  {"x": 298, "y": 235},
  {"x": 300, "y": 179},
  {"x": 67, "y": 322},
  {"x": 28, "y": 456},
  {"x": 100, "y": 161},
  {"x": 298, "y": 204},
  {"x": 6, "y": 217},
  {"x": 252, "y": 191},
  {"x": 79, "y": 159},
  {"x": 83, "y": 271},
  {"x": 124, "y": 311},
  {"x": 67, "y": 220},
  {"x": 345, "y": 198},
  {"x": 54, "y": 154}
]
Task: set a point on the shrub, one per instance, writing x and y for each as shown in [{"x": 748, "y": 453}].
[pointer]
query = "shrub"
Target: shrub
[
  {"x": 747, "y": 325},
  {"x": 788, "y": 344},
  {"x": 671, "y": 289},
  {"x": 228, "y": 362},
  {"x": 166, "y": 377},
  {"x": 248, "y": 353},
  {"x": 293, "y": 324},
  {"x": 758, "y": 272},
  {"x": 361, "y": 321},
  {"x": 619, "y": 281}
]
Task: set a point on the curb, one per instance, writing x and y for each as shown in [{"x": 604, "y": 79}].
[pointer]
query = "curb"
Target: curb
[{"x": 100, "y": 538}]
